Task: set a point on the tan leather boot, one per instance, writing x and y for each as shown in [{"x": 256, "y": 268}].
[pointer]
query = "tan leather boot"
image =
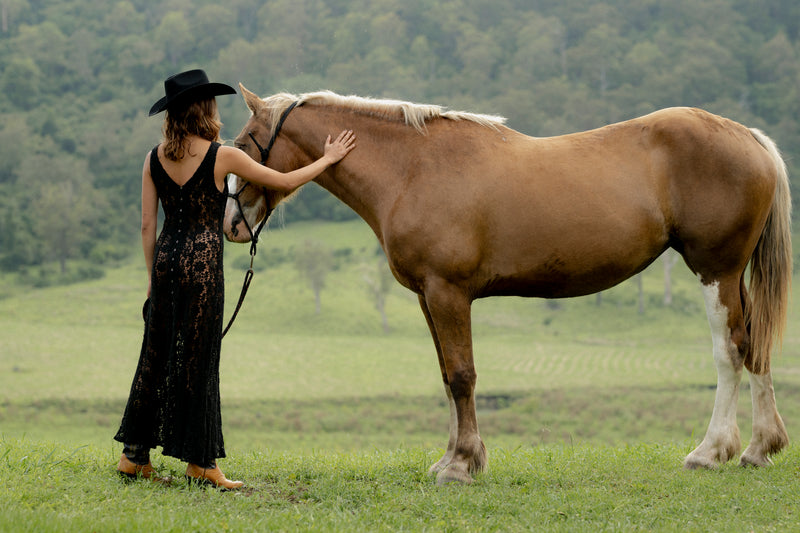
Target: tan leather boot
[
  {"x": 128, "y": 468},
  {"x": 211, "y": 476}
]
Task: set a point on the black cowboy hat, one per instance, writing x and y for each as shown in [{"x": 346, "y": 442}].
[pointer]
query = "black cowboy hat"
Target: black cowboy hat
[{"x": 192, "y": 85}]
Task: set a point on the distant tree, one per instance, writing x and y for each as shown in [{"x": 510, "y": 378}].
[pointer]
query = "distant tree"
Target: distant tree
[
  {"x": 293, "y": 29},
  {"x": 175, "y": 36},
  {"x": 314, "y": 261},
  {"x": 47, "y": 46},
  {"x": 479, "y": 54},
  {"x": 83, "y": 55},
  {"x": 123, "y": 19},
  {"x": 9, "y": 9},
  {"x": 18, "y": 247},
  {"x": 596, "y": 60},
  {"x": 378, "y": 281},
  {"x": 707, "y": 71},
  {"x": 776, "y": 72},
  {"x": 213, "y": 27},
  {"x": 670, "y": 259},
  {"x": 66, "y": 209},
  {"x": 20, "y": 82},
  {"x": 16, "y": 141},
  {"x": 539, "y": 52},
  {"x": 640, "y": 290}
]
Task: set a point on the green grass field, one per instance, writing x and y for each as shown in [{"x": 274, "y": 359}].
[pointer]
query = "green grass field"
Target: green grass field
[
  {"x": 587, "y": 410},
  {"x": 52, "y": 488}
]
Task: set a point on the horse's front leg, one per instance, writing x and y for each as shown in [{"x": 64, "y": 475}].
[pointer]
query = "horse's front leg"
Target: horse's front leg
[
  {"x": 448, "y": 313},
  {"x": 451, "y": 443},
  {"x": 722, "y": 441}
]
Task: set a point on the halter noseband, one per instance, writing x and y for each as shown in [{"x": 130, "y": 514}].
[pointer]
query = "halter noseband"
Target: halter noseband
[{"x": 254, "y": 234}]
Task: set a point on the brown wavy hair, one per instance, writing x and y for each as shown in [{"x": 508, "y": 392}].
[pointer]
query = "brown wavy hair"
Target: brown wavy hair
[{"x": 195, "y": 118}]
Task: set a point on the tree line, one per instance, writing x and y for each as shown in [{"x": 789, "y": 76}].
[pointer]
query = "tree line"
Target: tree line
[{"x": 77, "y": 77}]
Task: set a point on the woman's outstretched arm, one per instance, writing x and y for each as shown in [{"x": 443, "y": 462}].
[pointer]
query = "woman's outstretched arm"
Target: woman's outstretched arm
[{"x": 237, "y": 162}]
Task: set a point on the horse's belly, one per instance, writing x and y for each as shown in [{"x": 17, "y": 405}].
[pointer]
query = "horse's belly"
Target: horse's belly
[
  {"x": 563, "y": 268},
  {"x": 560, "y": 281}
]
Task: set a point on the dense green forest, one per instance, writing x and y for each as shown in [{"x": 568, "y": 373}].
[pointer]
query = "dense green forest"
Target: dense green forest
[{"x": 78, "y": 76}]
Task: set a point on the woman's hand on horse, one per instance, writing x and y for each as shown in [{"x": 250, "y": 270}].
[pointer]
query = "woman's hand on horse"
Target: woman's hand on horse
[{"x": 337, "y": 149}]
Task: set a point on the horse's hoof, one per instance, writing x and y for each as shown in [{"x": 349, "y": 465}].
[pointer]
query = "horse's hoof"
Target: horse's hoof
[
  {"x": 435, "y": 469},
  {"x": 755, "y": 460},
  {"x": 453, "y": 473},
  {"x": 698, "y": 462},
  {"x": 711, "y": 456}
]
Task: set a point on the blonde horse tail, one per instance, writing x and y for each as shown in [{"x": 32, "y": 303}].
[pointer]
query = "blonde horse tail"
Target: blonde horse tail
[{"x": 770, "y": 270}]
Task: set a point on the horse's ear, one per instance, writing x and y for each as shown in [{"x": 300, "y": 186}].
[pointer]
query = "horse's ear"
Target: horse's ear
[{"x": 251, "y": 99}]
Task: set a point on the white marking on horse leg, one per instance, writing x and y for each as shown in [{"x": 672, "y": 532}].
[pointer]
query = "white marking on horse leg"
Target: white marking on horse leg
[
  {"x": 769, "y": 433},
  {"x": 722, "y": 437},
  {"x": 451, "y": 443}
]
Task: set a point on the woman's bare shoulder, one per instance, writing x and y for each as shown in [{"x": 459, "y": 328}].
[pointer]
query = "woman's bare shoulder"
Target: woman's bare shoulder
[
  {"x": 228, "y": 151},
  {"x": 232, "y": 156},
  {"x": 146, "y": 165}
]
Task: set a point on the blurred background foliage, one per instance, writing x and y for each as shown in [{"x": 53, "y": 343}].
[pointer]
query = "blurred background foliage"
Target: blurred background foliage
[{"x": 78, "y": 76}]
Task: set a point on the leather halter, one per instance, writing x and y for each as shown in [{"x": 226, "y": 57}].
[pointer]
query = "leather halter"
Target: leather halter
[
  {"x": 265, "y": 151},
  {"x": 264, "y": 156},
  {"x": 248, "y": 277}
]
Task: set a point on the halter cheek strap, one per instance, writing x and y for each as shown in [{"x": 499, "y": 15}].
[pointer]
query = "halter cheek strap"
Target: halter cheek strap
[{"x": 265, "y": 151}]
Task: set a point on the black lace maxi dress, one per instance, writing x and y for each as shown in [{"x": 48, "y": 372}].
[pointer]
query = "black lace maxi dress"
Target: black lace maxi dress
[{"x": 174, "y": 400}]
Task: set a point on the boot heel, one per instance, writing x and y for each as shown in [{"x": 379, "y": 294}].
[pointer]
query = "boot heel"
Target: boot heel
[{"x": 211, "y": 476}]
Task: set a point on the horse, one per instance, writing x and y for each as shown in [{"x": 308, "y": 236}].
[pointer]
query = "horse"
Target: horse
[{"x": 466, "y": 208}]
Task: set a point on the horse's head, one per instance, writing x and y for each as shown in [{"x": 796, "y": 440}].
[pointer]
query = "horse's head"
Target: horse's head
[{"x": 254, "y": 202}]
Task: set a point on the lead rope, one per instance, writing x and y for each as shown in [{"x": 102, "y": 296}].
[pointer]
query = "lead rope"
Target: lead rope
[{"x": 248, "y": 276}]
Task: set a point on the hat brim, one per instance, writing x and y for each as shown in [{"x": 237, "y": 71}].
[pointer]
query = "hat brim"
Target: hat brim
[{"x": 199, "y": 92}]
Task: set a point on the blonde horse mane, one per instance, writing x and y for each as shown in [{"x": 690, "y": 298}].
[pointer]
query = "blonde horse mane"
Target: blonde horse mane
[{"x": 415, "y": 115}]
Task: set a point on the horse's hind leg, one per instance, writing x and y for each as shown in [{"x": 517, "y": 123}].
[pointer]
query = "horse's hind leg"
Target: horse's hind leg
[
  {"x": 729, "y": 339},
  {"x": 451, "y": 443},
  {"x": 448, "y": 311},
  {"x": 769, "y": 433}
]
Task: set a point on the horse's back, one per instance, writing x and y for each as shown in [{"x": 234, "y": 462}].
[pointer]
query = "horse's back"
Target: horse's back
[{"x": 680, "y": 169}]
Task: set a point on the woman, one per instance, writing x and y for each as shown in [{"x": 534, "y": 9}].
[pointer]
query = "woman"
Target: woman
[{"x": 174, "y": 400}]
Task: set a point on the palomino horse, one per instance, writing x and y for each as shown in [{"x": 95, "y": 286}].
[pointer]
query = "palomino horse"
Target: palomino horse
[{"x": 466, "y": 208}]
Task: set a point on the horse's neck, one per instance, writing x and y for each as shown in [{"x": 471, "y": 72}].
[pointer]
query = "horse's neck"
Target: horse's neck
[
  {"x": 367, "y": 192},
  {"x": 368, "y": 179}
]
